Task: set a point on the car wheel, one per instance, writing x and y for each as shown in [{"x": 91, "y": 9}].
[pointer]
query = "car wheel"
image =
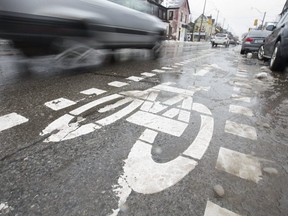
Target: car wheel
[
  {"x": 157, "y": 50},
  {"x": 260, "y": 53},
  {"x": 242, "y": 52},
  {"x": 277, "y": 62}
]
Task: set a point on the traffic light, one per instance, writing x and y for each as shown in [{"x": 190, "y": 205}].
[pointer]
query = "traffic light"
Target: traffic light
[{"x": 255, "y": 22}]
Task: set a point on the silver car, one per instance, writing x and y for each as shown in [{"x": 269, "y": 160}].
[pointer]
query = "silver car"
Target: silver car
[{"x": 43, "y": 27}]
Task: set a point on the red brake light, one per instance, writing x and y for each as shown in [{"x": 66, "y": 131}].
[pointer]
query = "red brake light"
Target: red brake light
[{"x": 249, "y": 40}]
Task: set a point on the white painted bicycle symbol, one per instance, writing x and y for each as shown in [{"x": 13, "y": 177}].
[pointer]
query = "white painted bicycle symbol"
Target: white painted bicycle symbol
[{"x": 172, "y": 116}]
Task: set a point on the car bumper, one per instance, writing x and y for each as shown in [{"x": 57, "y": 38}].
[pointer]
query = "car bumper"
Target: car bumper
[{"x": 251, "y": 47}]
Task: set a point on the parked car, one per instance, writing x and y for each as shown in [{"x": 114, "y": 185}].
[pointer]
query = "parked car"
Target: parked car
[
  {"x": 221, "y": 39},
  {"x": 253, "y": 40},
  {"x": 56, "y": 26},
  {"x": 275, "y": 47}
]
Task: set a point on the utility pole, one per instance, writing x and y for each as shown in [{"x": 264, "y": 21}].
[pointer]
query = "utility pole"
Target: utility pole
[
  {"x": 263, "y": 20},
  {"x": 216, "y": 20},
  {"x": 202, "y": 20}
]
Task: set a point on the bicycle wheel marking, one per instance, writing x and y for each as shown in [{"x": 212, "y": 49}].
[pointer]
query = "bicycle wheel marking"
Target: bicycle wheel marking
[{"x": 140, "y": 172}]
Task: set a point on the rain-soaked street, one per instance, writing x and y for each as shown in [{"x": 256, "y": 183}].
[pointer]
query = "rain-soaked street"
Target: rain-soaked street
[{"x": 199, "y": 131}]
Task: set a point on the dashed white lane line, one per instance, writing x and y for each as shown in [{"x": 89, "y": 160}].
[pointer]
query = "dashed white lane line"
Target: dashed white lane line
[
  {"x": 11, "y": 120},
  {"x": 243, "y": 85},
  {"x": 241, "y": 98},
  {"x": 179, "y": 64},
  {"x": 215, "y": 210},
  {"x": 135, "y": 78},
  {"x": 241, "y": 130},
  {"x": 238, "y": 164},
  {"x": 241, "y": 75},
  {"x": 117, "y": 84},
  {"x": 146, "y": 74},
  {"x": 167, "y": 68},
  {"x": 158, "y": 71},
  {"x": 59, "y": 104},
  {"x": 240, "y": 110},
  {"x": 93, "y": 91}
]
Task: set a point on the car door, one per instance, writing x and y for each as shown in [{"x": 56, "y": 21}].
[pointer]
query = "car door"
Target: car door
[{"x": 272, "y": 39}]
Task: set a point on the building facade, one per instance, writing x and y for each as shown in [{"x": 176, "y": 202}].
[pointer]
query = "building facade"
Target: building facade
[
  {"x": 178, "y": 14},
  {"x": 208, "y": 28}
]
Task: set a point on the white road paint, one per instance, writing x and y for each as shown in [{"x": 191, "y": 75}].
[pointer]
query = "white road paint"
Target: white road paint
[
  {"x": 11, "y": 120},
  {"x": 179, "y": 64},
  {"x": 59, "y": 104},
  {"x": 174, "y": 100},
  {"x": 241, "y": 98},
  {"x": 241, "y": 75},
  {"x": 202, "y": 72},
  {"x": 241, "y": 165},
  {"x": 94, "y": 103},
  {"x": 201, "y": 109},
  {"x": 215, "y": 66},
  {"x": 171, "y": 113},
  {"x": 174, "y": 90},
  {"x": 115, "y": 105},
  {"x": 167, "y": 68},
  {"x": 236, "y": 89},
  {"x": 215, "y": 210},
  {"x": 141, "y": 173},
  {"x": 148, "y": 136},
  {"x": 158, "y": 71},
  {"x": 157, "y": 107},
  {"x": 158, "y": 123},
  {"x": 243, "y": 85},
  {"x": 240, "y": 110},
  {"x": 117, "y": 84},
  {"x": 187, "y": 103},
  {"x": 121, "y": 113},
  {"x": 147, "y": 105},
  {"x": 241, "y": 130},
  {"x": 61, "y": 129},
  {"x": 184, "y": 116},
  {"x": 135, "y": 78},
  {"x": 93, "y": 91},
  {"x": 146, "y": 74},
  {"x": 200, "y": 144},
  {"x": 146, "y": 176}
]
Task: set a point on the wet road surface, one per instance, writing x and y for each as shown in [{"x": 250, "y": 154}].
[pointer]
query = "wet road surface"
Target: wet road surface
[{"x": 144, "y": 137}]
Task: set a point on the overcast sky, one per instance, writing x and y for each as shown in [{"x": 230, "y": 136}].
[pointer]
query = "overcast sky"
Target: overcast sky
[{"x": 238, "y": 14}]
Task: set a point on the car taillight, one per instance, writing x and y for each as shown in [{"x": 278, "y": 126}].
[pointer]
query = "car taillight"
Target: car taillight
[{"x": 249, "y": 40}]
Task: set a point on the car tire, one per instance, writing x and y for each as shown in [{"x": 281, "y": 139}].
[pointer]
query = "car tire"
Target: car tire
[
  {"x": 260, "y": 53},
  {"x": 242, "y": 52},
  {"x": 157, "y": 50},
  {"x": 277, "y": 62}
]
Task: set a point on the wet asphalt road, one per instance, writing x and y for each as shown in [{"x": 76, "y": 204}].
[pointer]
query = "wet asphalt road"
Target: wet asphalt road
[{"x": 139, "y": 163}]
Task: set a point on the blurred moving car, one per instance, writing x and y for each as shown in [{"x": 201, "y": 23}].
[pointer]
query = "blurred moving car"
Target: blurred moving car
[
  {"x": 275, "y": 47},
  {"x": 253, "y": 40},
  {"x": 59, "y": 26},
  {"x": 221, "y": 39}
]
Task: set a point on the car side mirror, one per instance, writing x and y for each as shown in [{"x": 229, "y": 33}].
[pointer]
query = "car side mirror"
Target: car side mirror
[{"x": 270, "y": 27}]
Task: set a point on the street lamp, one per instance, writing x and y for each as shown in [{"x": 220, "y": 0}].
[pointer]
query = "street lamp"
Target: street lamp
[{"x": 260, "y": 13}]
